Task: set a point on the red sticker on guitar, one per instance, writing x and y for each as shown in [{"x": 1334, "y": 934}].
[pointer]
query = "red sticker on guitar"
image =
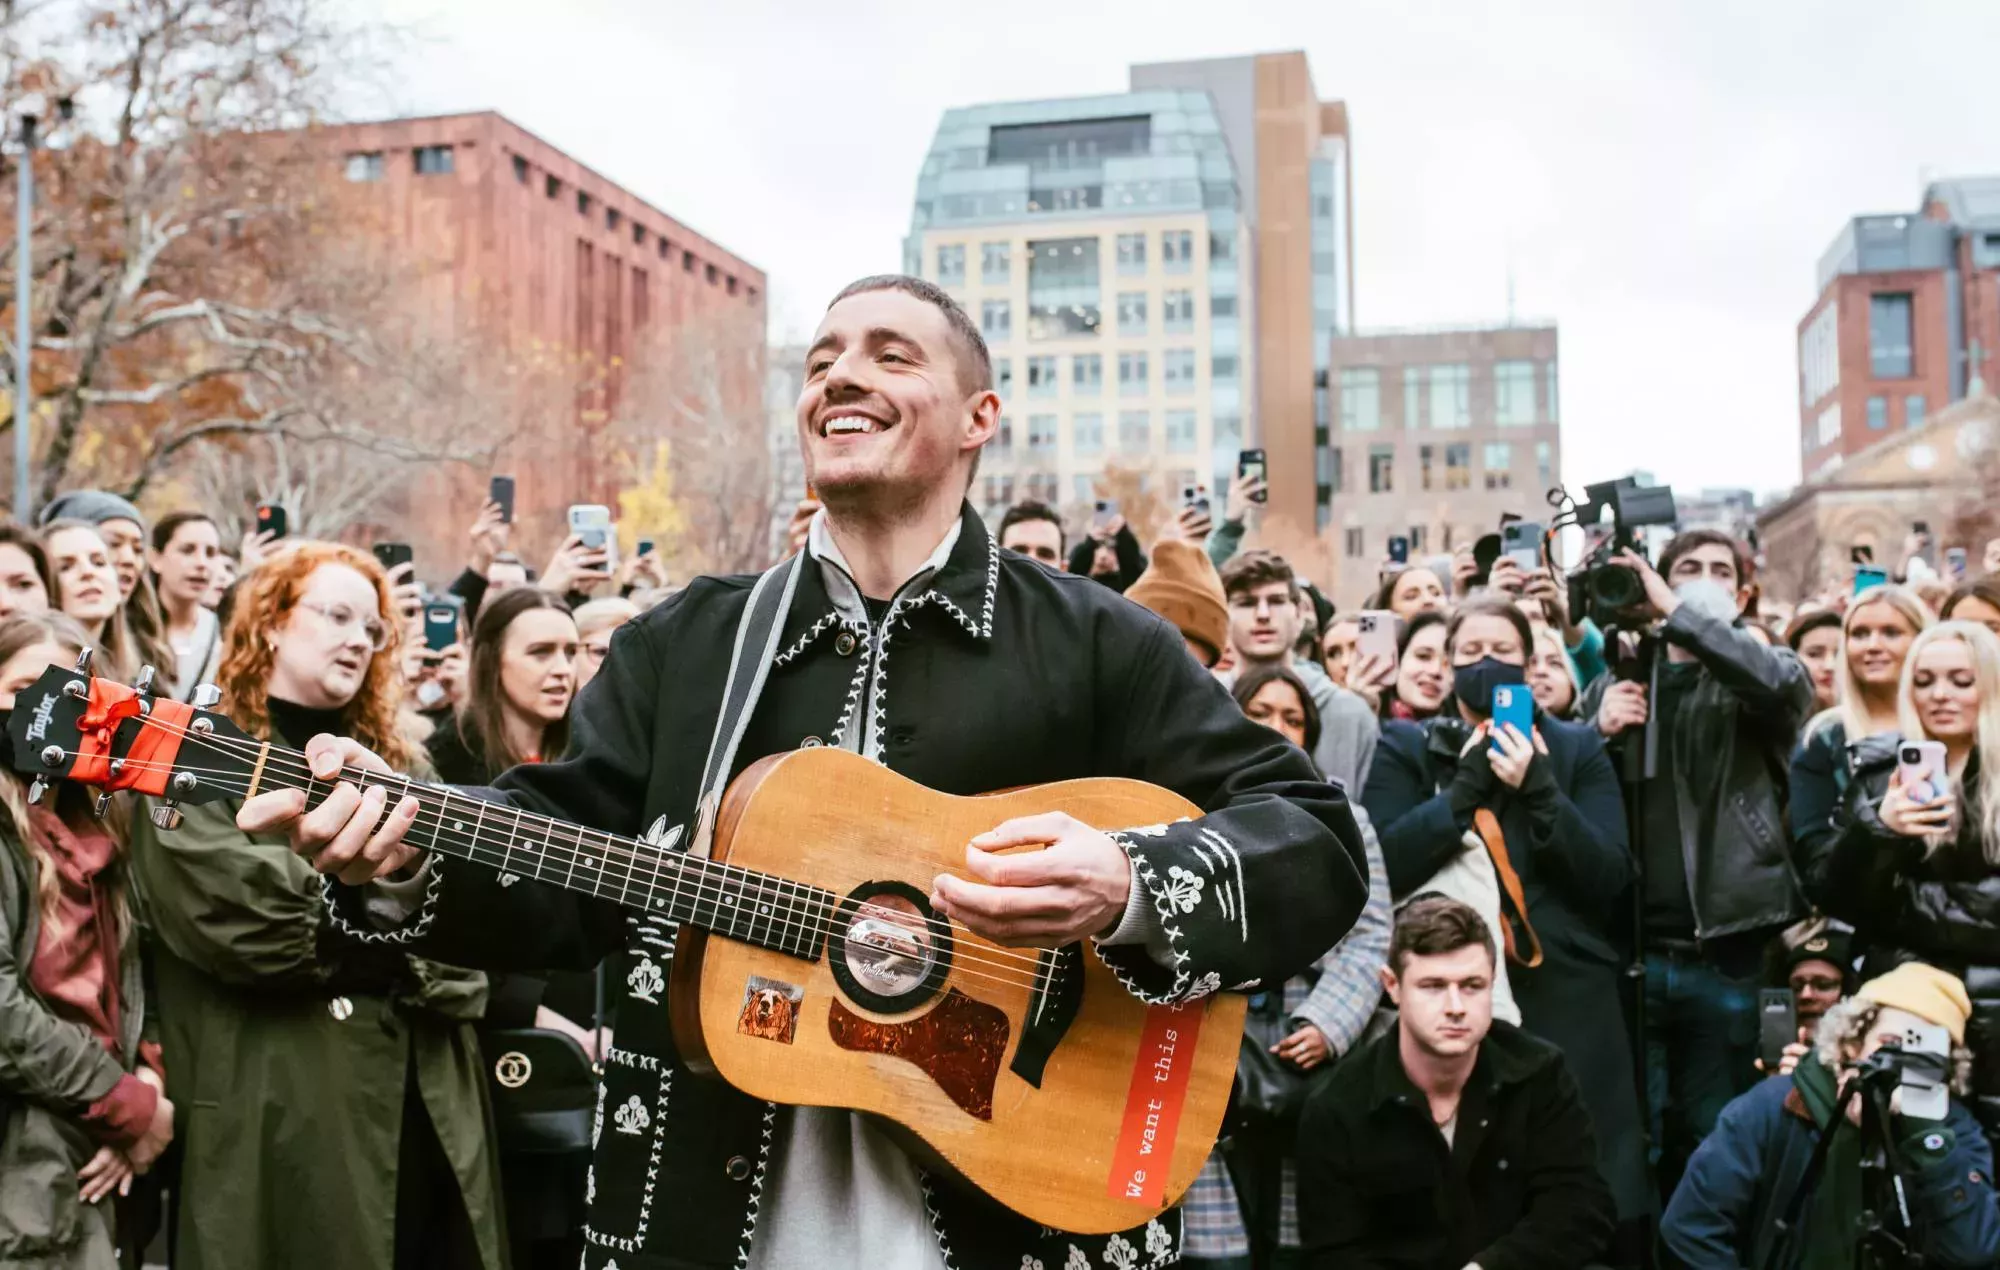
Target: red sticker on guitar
[{"x": 1152, "y": 1119}]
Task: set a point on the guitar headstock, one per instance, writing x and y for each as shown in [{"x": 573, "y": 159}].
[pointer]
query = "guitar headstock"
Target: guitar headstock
[{"x": 71, "y": 726}]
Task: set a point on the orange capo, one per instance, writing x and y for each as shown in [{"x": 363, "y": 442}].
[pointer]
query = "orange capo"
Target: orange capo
[{"x": 150, "y": 764}]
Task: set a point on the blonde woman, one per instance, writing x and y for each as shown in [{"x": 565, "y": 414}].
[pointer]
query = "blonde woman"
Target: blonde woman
[
  {"x": 82, "y": 1108},
  {"x": 1920, "y": 879},
  {"x": 1875, "y": 639},
  {"x": 86, "y": 588}
]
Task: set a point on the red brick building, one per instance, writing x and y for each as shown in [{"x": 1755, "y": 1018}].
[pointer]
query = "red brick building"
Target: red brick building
[
  {"x": 1907, "y": 322},
  {"x": 501, "y": 241}
]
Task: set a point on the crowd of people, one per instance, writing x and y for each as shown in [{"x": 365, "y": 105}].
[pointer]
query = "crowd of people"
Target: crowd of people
[{"x": 1540, "y": 1045}]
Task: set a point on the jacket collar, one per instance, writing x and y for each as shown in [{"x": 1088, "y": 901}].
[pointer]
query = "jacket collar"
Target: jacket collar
[
  {"x": 1506, "y": 1057},
  {"x": 960, "y": 579}
]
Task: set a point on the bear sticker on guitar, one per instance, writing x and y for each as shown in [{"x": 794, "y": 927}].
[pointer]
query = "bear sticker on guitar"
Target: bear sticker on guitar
[{"x": 770, "y": 1009}]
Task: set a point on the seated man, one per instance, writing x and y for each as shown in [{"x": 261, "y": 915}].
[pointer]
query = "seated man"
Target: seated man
[
  {"x": 1738, "y": 1191},
  {"x": 1453, "y": 1141}
]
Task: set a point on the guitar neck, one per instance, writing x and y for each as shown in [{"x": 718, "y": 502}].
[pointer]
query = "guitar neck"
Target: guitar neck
[{"x": 758, "y": 908}]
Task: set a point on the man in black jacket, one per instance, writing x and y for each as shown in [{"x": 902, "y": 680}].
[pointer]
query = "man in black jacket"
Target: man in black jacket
[
  {"x": 1716, "y": 868},
  {"x": 914, "y": 640},
  {"x": 1454, "y": 1141}
]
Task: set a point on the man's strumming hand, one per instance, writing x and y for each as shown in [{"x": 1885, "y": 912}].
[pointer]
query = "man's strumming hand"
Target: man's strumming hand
[{"x": 1075, "y": 887}]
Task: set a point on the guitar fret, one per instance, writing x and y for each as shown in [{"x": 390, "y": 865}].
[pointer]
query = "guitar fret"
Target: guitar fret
[{"x": 507, "y": 852}]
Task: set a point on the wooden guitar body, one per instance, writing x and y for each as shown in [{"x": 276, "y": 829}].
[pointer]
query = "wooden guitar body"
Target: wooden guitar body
[{"x": 1034, "y": 1076}]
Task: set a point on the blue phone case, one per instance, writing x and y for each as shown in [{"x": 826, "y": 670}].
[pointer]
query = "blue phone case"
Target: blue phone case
[{"x": 1513, "y": 704}]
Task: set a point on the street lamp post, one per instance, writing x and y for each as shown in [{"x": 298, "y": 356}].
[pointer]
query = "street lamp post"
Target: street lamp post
[{"x": 24, "y": 199}]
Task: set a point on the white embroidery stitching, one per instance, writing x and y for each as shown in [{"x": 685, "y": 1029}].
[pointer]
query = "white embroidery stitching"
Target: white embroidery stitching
[
  {"x": 937, "y": 1220},
  {"x": 757, "y": 1186},
  {"x": 1119, "y": 1253},
  {"x": 854, "y": 689},
  {"x": 1224, "y": 846},
  {"x": 646, "y": 980},
  {"x": 1143, "y": 871},
  {"x": 1159, "y": 1244},
  {"x": 813, "y": 632},
  {"x": 1183, "y": 889},
  {"x": 413, "y": 930}
]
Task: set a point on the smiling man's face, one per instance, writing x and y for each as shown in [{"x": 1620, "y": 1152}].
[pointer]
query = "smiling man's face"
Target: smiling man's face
[{"x": 889, "y": 408}]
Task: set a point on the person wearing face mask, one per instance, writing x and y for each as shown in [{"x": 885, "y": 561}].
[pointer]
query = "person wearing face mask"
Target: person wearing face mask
[
  {"x": 1554, "y": 803},
  {"x": 25, "y": 582},
  {"x": 313, "y": 1070},
  {"x": 1917, "y": 870},
  {"x": 186, "y": 548},
  {"x": 1408, "y": 592},
  {"x": 1717, "y": 877},
  {"x": 82, "y": 1107},
  {"x": 1423, "y": 670},
  {"x": 86, "y": 589},
  {"x": 1875, "y": 639}
]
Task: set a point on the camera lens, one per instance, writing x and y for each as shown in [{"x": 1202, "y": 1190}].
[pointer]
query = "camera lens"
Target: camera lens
[{"x": 1912, "y": 755}]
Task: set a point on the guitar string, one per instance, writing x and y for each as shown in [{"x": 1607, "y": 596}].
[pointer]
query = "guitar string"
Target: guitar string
[
  {"x": 790, "y": 911},
  {"x": 746, "y": 879}
]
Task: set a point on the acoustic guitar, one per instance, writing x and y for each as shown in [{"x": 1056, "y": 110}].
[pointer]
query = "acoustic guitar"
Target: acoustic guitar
[{"x": 810, "y": 967}]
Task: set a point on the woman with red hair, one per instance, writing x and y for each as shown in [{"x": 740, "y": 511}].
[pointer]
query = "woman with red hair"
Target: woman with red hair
[{"x": 335, "y": 1108}]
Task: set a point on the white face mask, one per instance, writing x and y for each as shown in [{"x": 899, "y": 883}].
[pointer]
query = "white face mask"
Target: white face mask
[
  {"x": 1709, "y": 598},
  {"x": 429, "y": 693}
]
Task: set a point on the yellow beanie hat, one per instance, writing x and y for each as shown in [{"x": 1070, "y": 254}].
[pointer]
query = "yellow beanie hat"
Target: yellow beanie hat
[{"x": 1931, "y": 994}]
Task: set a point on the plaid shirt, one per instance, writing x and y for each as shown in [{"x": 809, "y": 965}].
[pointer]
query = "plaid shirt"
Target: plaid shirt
[{"x": 1337, "y": 997}]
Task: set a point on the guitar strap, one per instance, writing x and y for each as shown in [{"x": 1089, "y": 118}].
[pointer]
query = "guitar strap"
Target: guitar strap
[{"x": 759, "y": 631}]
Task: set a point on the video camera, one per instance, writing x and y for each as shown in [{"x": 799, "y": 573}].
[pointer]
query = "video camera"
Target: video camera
[{"x": 1607, "y": 593}]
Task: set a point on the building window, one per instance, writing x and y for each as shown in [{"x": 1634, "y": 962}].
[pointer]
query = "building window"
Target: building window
[
  {"x": 951, "y": 264},
  {"x": 1220, "y": 247},
  {"x": 1355, "y": 540},
  {"x": 432, "y": 160},
  {"x": 1413, "y": 398},
  {"x": 1381, "y": 469},
  {"x": 1336, "y": 470},
  {"x": 520, "y": 169},
  {"x": 1177, "y": 250},
  {"x": 1131, "y": 312},
  {"x": 1086, "y": 378},
  {"x": 687, "y": 261},
  {"x": 995, "y": 260},
  {"x": 1177, "y": 368},
  {"x": 1063, "y": 291},
  {"x": 1878, "y": 414},
  {"x": 1041, "y": 434},
  {"x": 1131, "y": 254},
  {"x": 996, "y": 320},
  {"x": 1003, "y": 376},
  {"x": 1135, "y": 432},
  {"x": 1424, "y": 456},
  {"x": 1545, "y": 469},
  {"x": 1041, "y": 376},
  {"x": 666, "y": 248},
  {"x": 1514, "y": 394},
  {"x": 1088, "y": 427},
  {"x": 582, "y": 203},
  {"x": 1003, "y": 437},
  {"x": 1420, "y": 536},
  {"x": 1132, "y": 377},
  {"x": 552, "y": 187},
  {"x": 1222, "y": 366},
  {"x": 1360, "y": 399},
  {"x": 1458, "y": 466},
  {"x": 1499, "y": 457},
  {"x": 1180, "y": 432},
  {"x": 1914, "y": 409},
  {"x": 638, "y": 234},
  {"x": 1222, "y": 306},
  {"x": 1451, "y": 397},
  {"x": 613, "y": 218},
  {"x": 708, "y": 273},
  {"x": 1829, "y": 424},
  {"x": 364, "y": 165},
  {"x": 1177, "y": 312},
  {"x": 729, "y": 284},
  {"x": 1227, "y": 430},
  {"x": 1554, "y": 412},
  {"x": 1889, "y": 352}
]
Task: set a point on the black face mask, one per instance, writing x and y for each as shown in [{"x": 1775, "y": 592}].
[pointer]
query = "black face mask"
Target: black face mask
[{"x": 1473, "y": 685}]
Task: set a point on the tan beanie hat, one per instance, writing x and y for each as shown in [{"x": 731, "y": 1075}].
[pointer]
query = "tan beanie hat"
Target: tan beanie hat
[
  {"x": 1931, "y": 994},
  {"x": 1182, "y": 586}
]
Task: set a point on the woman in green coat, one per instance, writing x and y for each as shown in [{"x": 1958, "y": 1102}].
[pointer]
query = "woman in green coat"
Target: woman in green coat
[{"x": 332, "y": 1098}]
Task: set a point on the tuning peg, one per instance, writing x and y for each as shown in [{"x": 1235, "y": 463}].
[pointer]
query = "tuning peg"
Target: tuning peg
[
  {"x": 166, "y": 816},
  {"x": 37, "y": 790},
  {"x": 206, "y": 696},
  {"x": 83, "y": 662},
  {"x": 143, "y": 685},
  {"x": 102, "y": 805}
]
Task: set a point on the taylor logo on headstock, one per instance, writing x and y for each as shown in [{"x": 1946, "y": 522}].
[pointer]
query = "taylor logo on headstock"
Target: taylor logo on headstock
[
  {"x": 632, "y": 1118},
  {"x": 646, "y": 980},
  {"x": 38, "y": 725}
]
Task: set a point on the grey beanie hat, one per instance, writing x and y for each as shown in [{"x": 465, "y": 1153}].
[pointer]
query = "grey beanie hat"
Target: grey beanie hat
[{"x": 93, "y": 505}]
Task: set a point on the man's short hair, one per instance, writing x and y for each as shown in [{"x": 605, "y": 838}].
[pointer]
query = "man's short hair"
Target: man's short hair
[
  {"x": 1694, "y": 539},
  {"x": 1034, "y": 509},
  {"x": 975, "y": 364},
  {"x": 1432, "y": 925},
  {"x": 1252, "y": 569}
]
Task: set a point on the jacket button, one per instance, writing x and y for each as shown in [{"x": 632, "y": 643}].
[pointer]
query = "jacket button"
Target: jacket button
[
  {"x": 1503, "y": 1166},
  {"x": 902, "y": 735},
  {"x": 843, "y": 643},
  {"x": 811, "y": 743},
  {"x": 738, "y": 1168},
  {"x": 340, "y": 1008}
]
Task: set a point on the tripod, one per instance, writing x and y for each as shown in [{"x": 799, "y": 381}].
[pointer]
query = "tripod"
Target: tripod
[
  {"x": 1639, "y": 763},
  {"x": 1894, "y": 1243}
]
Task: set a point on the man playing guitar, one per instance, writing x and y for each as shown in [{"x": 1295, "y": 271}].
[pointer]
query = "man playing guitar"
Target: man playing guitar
[{"x": 1004, "y": 673}]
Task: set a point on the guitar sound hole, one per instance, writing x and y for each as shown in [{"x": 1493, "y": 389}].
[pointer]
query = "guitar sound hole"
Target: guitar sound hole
[{"x": 889, "y": 950}]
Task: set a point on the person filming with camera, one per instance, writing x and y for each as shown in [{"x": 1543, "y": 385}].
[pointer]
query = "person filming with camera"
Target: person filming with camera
[
  {"x": 1716, "y": 872},
  {"x": 1753, "y": 1195}
]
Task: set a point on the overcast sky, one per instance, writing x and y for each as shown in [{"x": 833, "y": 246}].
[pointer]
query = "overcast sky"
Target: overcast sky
[{"x": 1658, "y": 178}]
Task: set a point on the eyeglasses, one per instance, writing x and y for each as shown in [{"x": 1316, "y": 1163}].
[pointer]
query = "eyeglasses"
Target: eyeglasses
[
  {"x": 1815, "y": 985},
  {"x": 343, "y": 619}
]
